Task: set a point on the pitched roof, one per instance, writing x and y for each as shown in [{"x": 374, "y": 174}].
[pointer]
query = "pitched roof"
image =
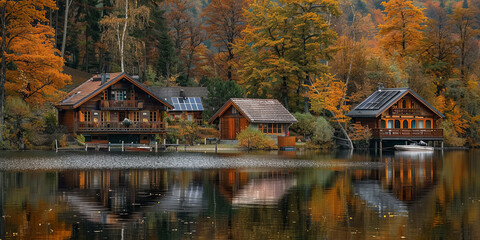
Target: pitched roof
[
  {"x": 168, "y": 92},
  {"x": 94, "y": 85},
  {"x": 382, "y": 99},
  {"x": 258, "y": 110}
]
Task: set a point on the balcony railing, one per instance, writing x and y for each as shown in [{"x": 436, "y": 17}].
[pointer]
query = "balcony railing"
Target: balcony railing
[
  {"x": 407, "y": 133},
  {"x": 406, "y": 111},
  {"x": 121, "y": 105},
  {"x": 119, "y": 127}
]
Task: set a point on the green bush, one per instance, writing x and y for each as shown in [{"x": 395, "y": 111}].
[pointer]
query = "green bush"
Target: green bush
[
  {"x": 323, "y": 134},
  {"x": 305, "y": 125},
  {"x": 254, "y": 139}
]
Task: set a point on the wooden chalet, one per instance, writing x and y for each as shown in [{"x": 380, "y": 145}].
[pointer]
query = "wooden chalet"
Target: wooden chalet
[
  {"x": 267, "y": 115},
  {"x": 113, "y": 108},
  {"x": 399, "y": 114},
  {"x": 186, "y": 101}
]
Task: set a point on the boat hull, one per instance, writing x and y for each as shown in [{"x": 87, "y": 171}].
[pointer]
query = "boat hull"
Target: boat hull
[{"x": 413, "y": 148}]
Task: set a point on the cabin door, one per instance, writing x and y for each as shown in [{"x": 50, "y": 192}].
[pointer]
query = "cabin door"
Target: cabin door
[{"x": 227, "y": 128}]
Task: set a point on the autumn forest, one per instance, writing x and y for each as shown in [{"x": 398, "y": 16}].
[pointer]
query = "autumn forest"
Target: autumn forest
[{"x": 318, "y": 56}]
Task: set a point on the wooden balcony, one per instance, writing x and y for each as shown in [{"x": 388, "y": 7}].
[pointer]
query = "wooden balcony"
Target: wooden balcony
[
  {"x": 121, "y": 105},
  {"x": 395, "y": 133},
  {"x": 405, "y": 111},
  {"x": 118, "y": 127}
]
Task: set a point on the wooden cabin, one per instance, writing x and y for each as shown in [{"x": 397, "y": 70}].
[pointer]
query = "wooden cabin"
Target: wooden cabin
[
  {"x": 113, "y": 108},
  {"x": 267, "y": 115},
  {"x": 186, "y": 101},
  {"x": 399, "y": 114}
]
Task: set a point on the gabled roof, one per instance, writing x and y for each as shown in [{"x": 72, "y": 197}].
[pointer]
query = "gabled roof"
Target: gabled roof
[
  {"x": 168, "y": 92},
  {"x": 384, "y": 98},
  {"x": 94, "y": 86},
  {"x": 258, "y": 110}
]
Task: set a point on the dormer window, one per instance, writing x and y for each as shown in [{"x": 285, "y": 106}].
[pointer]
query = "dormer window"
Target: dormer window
[{"x": 234, "y": 111}]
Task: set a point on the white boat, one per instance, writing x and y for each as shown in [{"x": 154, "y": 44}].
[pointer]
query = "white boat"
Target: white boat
[{"x": 413, "y": 147}]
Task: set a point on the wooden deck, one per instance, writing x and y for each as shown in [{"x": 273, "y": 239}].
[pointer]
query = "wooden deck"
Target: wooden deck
[
  {"x": 401, "y": 134},
  {"x": 118, "y": 127}
]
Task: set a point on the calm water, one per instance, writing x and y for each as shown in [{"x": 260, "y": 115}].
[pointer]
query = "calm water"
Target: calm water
[{"x": 240, "y": 196}]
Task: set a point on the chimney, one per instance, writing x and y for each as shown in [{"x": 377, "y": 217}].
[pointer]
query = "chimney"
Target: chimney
[
  {"x": 380, "y": 86},
  {"x": 182, "y": 94}
]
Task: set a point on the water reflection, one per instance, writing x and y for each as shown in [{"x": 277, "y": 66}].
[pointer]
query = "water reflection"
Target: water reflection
[{"x": 409, "y": 195}]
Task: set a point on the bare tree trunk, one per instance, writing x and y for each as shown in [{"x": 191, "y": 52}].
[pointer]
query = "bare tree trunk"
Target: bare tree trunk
[
  {"x": 122, "y": 41},
  {"x": 65, "y": 23}
]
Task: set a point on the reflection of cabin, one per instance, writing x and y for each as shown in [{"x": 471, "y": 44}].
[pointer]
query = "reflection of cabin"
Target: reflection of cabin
[
  {"x": 186, "y": 101},
  {"x": 113, "y": 108},
  {"x": 398, "y": 114},
  {"x": 267, "y": 115}
]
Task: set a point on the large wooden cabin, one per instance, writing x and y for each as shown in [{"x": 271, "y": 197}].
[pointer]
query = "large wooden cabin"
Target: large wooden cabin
[
  {"x": 399, "y": 114},
  {"x": 113, "y": 108},
  {"x": 267, "y": 115}
]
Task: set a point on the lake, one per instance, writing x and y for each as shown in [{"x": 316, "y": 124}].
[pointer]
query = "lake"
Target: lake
[{"x": 257, "y": 195}]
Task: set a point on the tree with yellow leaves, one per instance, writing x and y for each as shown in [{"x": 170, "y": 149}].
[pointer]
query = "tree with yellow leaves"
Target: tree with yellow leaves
[
  {"x": 402, "y": 32},
  {"x": 283, "y": 47}
]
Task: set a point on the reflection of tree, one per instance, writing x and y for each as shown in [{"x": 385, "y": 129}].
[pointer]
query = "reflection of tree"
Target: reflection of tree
[{"x": 32, "y": 211}]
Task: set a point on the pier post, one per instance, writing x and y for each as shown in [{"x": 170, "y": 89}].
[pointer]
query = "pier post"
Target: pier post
[
  {"x": 86, "y": 147},
  {"x": 122, "y": 146},
  {"x": 381, "y": 145},
  {"x": 56, "y": 145},
  {"x": 177, "y": 141},
  {"x": 376, "y": 147},
  {"x": 109, "y": 146},
  {"x": 442, "y": 145},
  {"x": 216, "y": 145},
  {"x": 156, "y": 146}
]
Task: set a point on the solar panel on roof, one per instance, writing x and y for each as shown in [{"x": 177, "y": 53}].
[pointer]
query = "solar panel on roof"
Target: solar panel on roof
[
  {"x": 187, "y": 104},
  {"x": 377, "y": 100}
]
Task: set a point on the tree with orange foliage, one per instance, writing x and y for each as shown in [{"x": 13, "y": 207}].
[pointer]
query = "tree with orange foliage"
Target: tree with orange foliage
[
  {"x": 18, "y": 19},
  {"x": 402, "y": 31},
  {"x": 224, "y": 24},
  {"x": 37, "y": 76}
]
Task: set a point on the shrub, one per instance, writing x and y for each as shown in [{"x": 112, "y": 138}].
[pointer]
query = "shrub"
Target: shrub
[
  {"x": 323, "y": 133},
  {"x": 254, "y": 139},
  {"x": 360, "y": 135},
  {"x": 305, "y": 125}
]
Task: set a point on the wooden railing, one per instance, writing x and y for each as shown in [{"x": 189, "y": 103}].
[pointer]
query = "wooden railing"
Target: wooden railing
[
  {"x": 119, "y": 127},
  {"x": 395, "y": 133},
  {"x": 116, "y": 104},
  {"x": 405, "y": 111}
]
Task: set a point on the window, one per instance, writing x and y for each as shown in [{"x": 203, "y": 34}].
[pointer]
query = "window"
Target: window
[
  {"x": 413, "y": 124},
  {"x": 234, "y": 111},
  {"x": 382, "y": 124},
  {"x": 428, "y": 124},
  {"x": 105, "y": 116},
  {"x": 390, "y": 124},
  {"x": 397, "y": 124},
  {"x": 119, "y": 95},
  {"x": 405, "y": 124},
  {"x": 105, "y": 95},
  {"x": 136, "y": 116},
  {"x": 190, "y": 117},
  {"x": 420, "y": 123},
  {"x": 273, "y": 128},
  {"x": 85, "y": 116},
  {"x": 153, "y": 116}
]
